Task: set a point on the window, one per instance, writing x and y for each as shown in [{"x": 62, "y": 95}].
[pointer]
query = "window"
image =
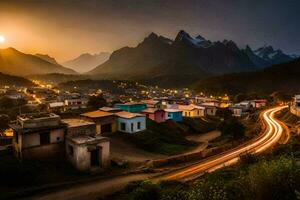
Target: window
[
  {"x": 71, "y": 150},
  {"x": 131, "y": 127},
  {"x": 139, "y": 125},
  {"x": 123, "y": 126},
  {"x": 45, "y": 138}
]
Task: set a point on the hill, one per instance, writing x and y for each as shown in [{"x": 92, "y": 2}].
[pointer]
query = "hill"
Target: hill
[
  {"x": 87, "y": 61},
  {"x": 17, "y": 63},
  {"x": 283, "y": 77},
  {"x": 14, "y": 80},
  {"x": 180, "y": 62}
]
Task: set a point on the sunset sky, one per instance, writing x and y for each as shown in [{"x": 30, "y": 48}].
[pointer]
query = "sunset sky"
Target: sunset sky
[{"x": 65, "y": 29}]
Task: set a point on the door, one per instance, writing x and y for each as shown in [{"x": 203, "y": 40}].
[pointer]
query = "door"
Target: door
[{"x": 95, "y": 158}]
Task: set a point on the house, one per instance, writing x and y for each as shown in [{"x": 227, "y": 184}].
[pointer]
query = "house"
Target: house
[
  {"x": 105, "y": 121},
  {"x": 57, "y": 106},
  {"x": 258, "y": 103},
  {"x": 173, "y": 114},
  {"x": 151, "y": 103},
  {"x": 237, "y": 111},
  {"x": 131, "y": 122},
  {"x": 38, "y": 135},
  {"x": 155, "y": 114},
  {"x": 209, "y": 110},
  {"x": 84, "y": 149},
  {"x": 131, "y": 107},
  {"x": 192, "y": 110},
  {"x": 75, "y": 103}
]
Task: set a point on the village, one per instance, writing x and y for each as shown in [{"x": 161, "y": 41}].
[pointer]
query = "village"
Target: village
[{"x": 66, "y": 124}]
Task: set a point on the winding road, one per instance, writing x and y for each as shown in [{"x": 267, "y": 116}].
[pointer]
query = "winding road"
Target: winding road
[{"x": 272, "y": 134}]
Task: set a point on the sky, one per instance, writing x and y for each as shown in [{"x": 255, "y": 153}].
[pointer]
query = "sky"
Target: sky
[{"x": 67, "y": 28}]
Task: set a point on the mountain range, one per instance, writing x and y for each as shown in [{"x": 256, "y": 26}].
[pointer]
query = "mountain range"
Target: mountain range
[
  {"x": 87, "y": 61},
  {"x": 156, "y": 60},
  {"x": 184, "y": 59},
  {"x": 17, "y": 63},
  {"x": 281, "y": 77}
]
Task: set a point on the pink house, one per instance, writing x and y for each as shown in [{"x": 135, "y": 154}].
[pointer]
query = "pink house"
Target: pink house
[{"x": 155, "y": 114}]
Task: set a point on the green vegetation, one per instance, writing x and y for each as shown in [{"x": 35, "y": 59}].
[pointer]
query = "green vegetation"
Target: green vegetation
[
  {"x": 96, "y": 102},
  {"x": 232, "y": 128},
  {"x": 164, "y": 138},
  {"x": 199, "y": 125},
  {"x": 168, "y": 138},
  {"x": 275, "y": 175}
]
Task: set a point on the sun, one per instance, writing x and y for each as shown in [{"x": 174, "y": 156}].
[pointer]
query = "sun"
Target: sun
[{"x": 2, "y": 39}]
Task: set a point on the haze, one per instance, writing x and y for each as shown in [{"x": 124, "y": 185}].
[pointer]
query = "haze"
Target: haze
[{"x": 66, "y": 29}]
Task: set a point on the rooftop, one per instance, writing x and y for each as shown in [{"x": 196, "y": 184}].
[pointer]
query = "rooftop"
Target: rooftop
[
  {"x": 151, "y": 110},
  {"x": 77, "y": 122},
  {"x": 172, "y": 110},
  {"x": 128, "y": 115},
  {"x": 85, "y": 139},
  {"x": 108, "y": 109},
  {"x": 36, "y": 116},
  {"x": 97, "y": 114}
]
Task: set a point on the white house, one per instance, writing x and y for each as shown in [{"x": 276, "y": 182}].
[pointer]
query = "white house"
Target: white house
[{"x": 131, "y": 122}]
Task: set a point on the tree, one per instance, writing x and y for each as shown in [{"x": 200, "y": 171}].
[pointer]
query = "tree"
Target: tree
[
  {"x": 233, "y": 128},
  {"x": 96, "y": 102},
  {"x": 281, "y": 97},
  {"x": 224, "y": 113}
]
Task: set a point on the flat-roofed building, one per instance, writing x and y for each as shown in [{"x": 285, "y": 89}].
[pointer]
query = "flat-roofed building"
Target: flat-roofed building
[
  {"x": 84, "y": 149},
  {"x": 105, "y": 121},
  {"x": 131, "y": 122},
  {"x": 38, "y": 135}
]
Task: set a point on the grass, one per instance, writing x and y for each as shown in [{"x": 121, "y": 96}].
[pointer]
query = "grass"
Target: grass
[{"x": 274, "y": 175}]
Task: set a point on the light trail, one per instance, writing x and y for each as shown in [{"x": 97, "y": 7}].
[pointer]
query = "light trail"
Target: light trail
[{"x": 267, "y": 139}]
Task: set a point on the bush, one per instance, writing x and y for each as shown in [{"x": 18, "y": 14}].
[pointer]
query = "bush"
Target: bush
[{"x": 233, "y": 128}]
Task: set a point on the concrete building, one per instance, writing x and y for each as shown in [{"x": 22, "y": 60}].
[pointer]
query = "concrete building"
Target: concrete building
[
  {"x": 258, "y": 103},
  {"x": 38, "y": 135},
  {"x": 155, "y": 114},
  {"x": 105, "y": 121},
  {"x": 84, "y": 149},
  {"x": 88, "y": 153},
  {"x": 210, "y": 110},
  {"x": 131, "y": 122},
  {"x": 75, "y": 103},
  {"x": 192, "y": 110},
  {"x": 174, "y": 114}
]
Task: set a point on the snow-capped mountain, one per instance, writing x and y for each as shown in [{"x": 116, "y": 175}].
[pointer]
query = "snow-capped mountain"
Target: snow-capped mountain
[
  {"x": 269, "y": 54},
  {"x": 197, "y": 42}
]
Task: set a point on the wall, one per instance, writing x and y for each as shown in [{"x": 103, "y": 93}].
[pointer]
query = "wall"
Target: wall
[
  {"x": 82, "y": 130},
  {"x": 81, "y": 158},
  {"x": 134, "y": 121}
]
